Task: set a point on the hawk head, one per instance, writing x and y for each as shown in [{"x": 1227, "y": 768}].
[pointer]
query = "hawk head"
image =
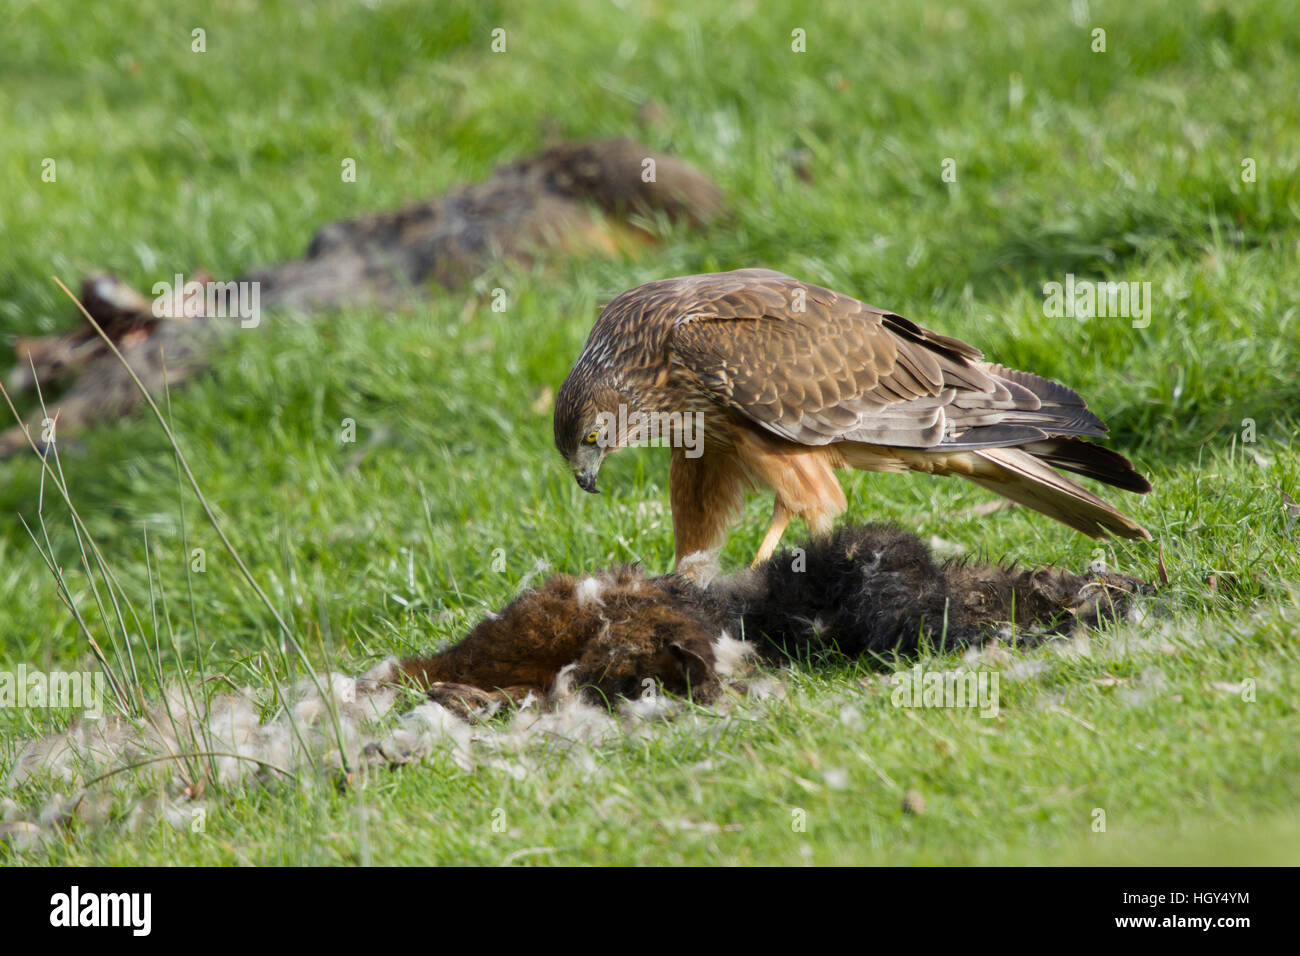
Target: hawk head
[{"x": 587, "y": 416}]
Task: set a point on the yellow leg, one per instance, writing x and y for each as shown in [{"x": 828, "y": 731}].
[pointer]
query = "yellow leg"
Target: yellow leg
[{"x": 781, "y": 516}]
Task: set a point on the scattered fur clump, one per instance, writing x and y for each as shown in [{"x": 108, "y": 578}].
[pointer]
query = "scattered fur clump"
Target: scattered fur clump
[
  {"x": 183, "y": 747},
  {"x": 182, "y": 743}
]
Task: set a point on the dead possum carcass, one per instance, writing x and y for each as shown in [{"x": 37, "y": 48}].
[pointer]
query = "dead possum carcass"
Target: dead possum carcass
[
  {"x": 574, "y": 198},
  {"x": 867, "y": 590}
]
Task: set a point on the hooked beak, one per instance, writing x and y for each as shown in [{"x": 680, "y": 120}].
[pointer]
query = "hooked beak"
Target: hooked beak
[{"x": 587, "y": 479}]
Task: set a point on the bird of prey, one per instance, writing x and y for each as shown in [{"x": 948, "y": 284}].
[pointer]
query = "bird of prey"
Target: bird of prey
[{"x": 790, "y": 381}]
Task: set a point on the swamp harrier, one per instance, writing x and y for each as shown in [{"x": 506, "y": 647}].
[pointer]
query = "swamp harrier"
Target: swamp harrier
[{"x": 757, "y": 379}]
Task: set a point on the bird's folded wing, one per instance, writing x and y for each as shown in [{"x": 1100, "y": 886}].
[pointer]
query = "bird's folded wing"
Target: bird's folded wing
[{"x": 817, "y": 367}]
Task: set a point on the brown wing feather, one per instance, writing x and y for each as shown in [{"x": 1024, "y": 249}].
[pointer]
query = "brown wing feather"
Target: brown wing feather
[{"x": 816, "y": 367}]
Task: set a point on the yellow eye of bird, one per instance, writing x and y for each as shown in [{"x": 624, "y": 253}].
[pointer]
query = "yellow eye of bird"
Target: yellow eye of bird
[{"x": 592, "y": 436}]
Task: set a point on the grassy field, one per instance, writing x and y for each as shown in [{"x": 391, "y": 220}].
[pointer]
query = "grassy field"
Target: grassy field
[{"x": 1124, "y": 165}]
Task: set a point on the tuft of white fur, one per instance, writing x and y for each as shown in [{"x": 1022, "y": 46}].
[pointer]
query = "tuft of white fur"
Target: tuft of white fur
[
  {"x": 730, "y": 656},
  {"x": 650, "y": 707},
  {"x": 588, "y": 591},
  {"x": 385, "y": 672},
  {"x": 1138, "y": 611},
  {"x": 540, "y": 567}
]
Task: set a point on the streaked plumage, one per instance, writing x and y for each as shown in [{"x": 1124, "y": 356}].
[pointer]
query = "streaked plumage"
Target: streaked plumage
[{"x": 794, "y": 380}]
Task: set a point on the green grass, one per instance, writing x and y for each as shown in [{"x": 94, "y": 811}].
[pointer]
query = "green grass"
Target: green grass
[{"x": 1124, "y": 165}]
